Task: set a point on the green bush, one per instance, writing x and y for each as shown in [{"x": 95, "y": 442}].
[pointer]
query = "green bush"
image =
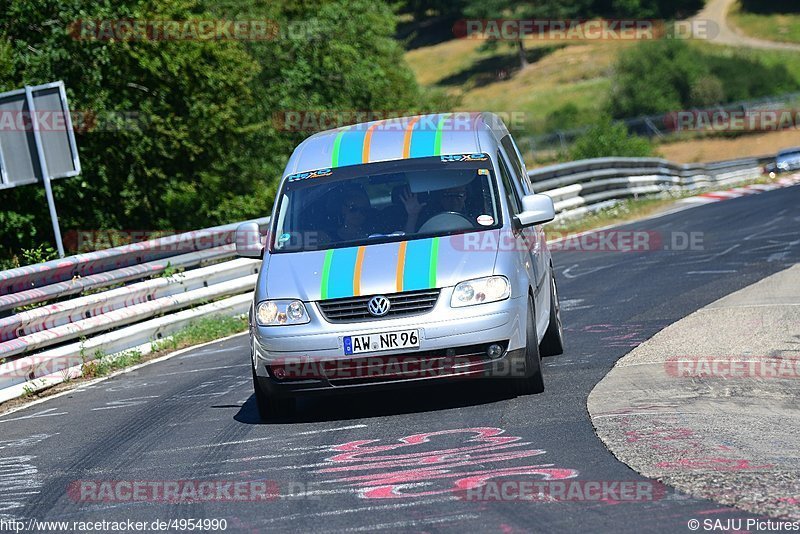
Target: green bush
[
  {"x": 608, "y": 139},
  {"x": 669, "y": 75},
  {"x": 203, "y": 147}
]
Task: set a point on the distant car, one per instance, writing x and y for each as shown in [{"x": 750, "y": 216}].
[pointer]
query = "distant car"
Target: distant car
[
  {"x": 786, "y": 161},
  {"x": 418, "y": 242}
]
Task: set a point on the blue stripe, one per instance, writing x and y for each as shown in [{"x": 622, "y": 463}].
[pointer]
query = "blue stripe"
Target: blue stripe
[
  {"x": 343, "y": 264},
  {"x": 417, "y": 267},
  {"x": 352, "y": 147},
  {"x": 423, "y": 139}
]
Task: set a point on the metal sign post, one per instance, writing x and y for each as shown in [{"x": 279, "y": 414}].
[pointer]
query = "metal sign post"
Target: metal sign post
[
  {"x": 51, "y": 203},
  {"x": 37, "y": 143}
]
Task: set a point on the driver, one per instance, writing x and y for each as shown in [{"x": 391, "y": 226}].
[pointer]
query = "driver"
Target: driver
[{"x": 452, "y": 200}]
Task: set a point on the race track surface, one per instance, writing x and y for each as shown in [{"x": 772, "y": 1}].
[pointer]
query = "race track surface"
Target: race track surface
[{"x": 193, "y": 417}]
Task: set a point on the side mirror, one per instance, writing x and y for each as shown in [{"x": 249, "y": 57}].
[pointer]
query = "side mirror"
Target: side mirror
[
  {"x": 536, "y": 209},
  {"x": 248, "y": 241}
]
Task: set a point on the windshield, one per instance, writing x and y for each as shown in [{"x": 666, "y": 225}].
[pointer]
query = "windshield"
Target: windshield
[{"x": 384, "y": 202}]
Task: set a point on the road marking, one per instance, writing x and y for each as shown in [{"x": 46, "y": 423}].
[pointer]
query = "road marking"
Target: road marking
[
  {"x": 125, "y": 403},
  {"x": 43, "y": 413}
]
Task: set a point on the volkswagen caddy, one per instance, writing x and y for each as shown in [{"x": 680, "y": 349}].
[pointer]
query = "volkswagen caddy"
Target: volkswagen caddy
[{"x": 402, "y": 252}]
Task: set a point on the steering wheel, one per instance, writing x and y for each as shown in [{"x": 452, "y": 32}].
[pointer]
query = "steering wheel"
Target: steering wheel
[{"x": 447, "y": 221}]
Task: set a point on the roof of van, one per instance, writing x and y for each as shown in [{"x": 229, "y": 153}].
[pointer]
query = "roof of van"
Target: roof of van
[{"x": 398, "y": 138}]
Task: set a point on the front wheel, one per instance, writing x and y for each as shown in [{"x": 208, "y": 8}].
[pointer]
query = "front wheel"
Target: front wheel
[
  {"x": 269, "y": 406},
  {"x": 533, "y": 381},
  {"x": 553, "y": 340}
]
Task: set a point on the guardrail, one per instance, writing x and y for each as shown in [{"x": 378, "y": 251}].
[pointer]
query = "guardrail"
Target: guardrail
[
  {"x": 78, "y": 297},
  {"x": 63, "y": 313},
  {"x": 589, "y": 185}
]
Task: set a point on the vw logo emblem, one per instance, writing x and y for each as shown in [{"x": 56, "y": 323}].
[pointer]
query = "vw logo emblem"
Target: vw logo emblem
[{"x": 379, "y": 306}]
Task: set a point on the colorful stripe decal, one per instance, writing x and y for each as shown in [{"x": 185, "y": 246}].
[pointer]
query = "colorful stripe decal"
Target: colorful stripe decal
[
  {"x": 337, "y": 143},
  {"x": 407, "y": 138},
  {"x": 351, "y": 148},
  {"x": 421, "y": 259},
  {"x": 434, "y": 263},
  {"x": 417, "y": 262},
  {"x": 357, "y": 271},
  {"x": 326, "y": 272},
  {"x": 368, "y": 142},
  {"x": 437, "y": 142},
  {"x": 422, "y": 140},
  {"x": 337, "y": 273},
  {"x": 401, "y": 262}
]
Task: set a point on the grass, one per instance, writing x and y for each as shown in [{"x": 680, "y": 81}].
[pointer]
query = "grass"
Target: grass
[
  {"x": 491, "y": 80},
  {"x": 201, "y": 331},
  {"x": 624, "y": 211},
  {"x": 783, "y": 27},
  {"x": 632, "y": 209},
  {"x": 578, "y": 73}
]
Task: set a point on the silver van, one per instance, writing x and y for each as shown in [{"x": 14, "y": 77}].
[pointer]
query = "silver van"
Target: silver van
[{"x": 402, "y": 252}]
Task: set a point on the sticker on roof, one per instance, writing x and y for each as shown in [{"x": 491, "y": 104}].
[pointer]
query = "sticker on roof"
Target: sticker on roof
[
  {"x": 319, "y": 173},
  {"x": 464, "y": 158}
]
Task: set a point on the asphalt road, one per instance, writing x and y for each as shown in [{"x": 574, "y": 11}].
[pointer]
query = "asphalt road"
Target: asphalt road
[{"x": 193, "y": 417}]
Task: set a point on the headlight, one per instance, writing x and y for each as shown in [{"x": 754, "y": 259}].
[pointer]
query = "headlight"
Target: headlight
[
  {"x": 480, "y": 291},
  {"x": 281, "y": 312}
]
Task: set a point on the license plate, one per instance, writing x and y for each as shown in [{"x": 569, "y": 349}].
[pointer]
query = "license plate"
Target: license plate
[{"x": 404, "y": 339}]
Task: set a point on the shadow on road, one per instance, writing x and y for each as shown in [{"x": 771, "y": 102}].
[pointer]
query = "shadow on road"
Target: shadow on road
[{"x": 343, "y": 407}]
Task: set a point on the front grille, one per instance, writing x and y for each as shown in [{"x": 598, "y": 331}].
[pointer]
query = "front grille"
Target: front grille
[{"x": 402, "y": 304}]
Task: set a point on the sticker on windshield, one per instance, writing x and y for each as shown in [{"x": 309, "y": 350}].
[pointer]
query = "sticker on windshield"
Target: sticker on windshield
[
  {"x": 319, "y": 173},
  {"x": 485, "y": 220},
  {"x": 465, "y": 158},
  {"x": 284, "y": 237},
  {"x": 483, "y": 172}
]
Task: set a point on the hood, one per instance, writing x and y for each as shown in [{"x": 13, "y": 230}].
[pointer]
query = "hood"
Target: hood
[{"x": 379, "y": 269}]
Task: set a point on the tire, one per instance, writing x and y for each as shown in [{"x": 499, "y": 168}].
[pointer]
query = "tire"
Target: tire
[
  {"x": 553, "y": 340},
  {"x": 533, "y": 381},
  {"x": 271, "y": 407}
]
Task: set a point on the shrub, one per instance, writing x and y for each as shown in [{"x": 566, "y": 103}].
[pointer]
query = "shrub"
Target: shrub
[{"x": 608, "y": 138}]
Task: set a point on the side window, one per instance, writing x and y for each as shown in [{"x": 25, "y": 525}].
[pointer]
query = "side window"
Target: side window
[
  {"x": 514, "y": 202},
  {"x": 516, "y": 162}
]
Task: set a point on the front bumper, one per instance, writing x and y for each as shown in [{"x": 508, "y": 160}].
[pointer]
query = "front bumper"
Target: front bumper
[{"x": 310, "y": 358}]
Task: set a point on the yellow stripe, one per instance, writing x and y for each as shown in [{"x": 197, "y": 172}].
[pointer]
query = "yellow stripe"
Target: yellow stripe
[
  {"x": 401, "y": 264},
  {"x": 357, "y": 271},
  {"x": 367, "y": 142},
  {"x": 407, "y": 138}
]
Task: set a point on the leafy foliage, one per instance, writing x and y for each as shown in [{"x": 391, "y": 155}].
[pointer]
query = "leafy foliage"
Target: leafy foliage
[
  {"x": 669, "y": 75},
  {"x": 197, "y": 144},
  {"x": 606, "y": 139}
]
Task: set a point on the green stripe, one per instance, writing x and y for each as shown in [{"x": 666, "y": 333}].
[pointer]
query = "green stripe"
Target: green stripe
[
  {"x": 336, "y": 144},
  {"x": 437, "y": 142},
  {"x": 326, "y": 271},
  {"x": 434, "y": 262}
]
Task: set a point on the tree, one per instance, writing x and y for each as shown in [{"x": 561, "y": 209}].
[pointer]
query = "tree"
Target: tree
[
  {"x": 523, "y": 10},
  {"x": 201, "y": 146}
]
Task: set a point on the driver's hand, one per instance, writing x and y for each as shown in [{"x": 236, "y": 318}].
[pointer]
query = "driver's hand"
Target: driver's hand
[{"x": 411, "y": 203}]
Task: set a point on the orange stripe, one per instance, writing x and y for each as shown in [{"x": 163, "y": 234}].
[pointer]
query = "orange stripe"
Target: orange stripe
[
  {"x": 401, "y": 264},
  {"x": 367, "y": 142},
  {"x": 357, "y": 271},
  {"x": 407, "y": 138}
]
